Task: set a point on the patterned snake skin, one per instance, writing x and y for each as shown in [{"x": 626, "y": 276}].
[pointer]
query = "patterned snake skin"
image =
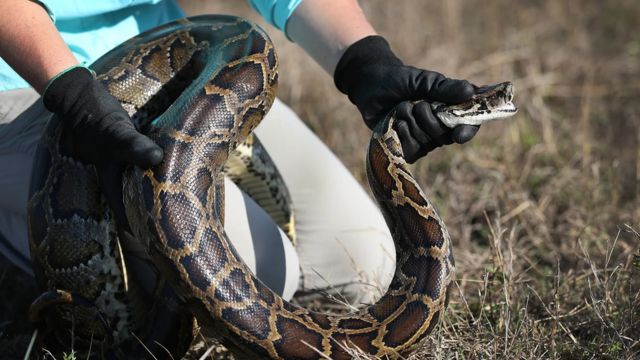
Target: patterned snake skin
[{"x": 198, "y": 87}]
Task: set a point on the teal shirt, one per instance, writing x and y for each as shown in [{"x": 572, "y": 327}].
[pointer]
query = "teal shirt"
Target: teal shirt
[{"x": 92, "y": 28}]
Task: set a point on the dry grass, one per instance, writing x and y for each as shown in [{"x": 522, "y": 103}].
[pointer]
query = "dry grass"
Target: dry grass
[{"x": 543, "y": 209}]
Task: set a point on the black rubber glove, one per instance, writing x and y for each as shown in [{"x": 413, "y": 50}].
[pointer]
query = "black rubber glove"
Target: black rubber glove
[
  {"x": 97, "y": 130},
  {"x": 376, "y": 81}
]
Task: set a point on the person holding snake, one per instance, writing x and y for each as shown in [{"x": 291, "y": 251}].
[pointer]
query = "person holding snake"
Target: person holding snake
[{"x": 343, "y": 242}]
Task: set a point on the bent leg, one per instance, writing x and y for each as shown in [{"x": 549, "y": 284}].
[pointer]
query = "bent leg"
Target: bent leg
[
  {"x": 263, "y": 246},
  {"x": 22, "y": 119},
  {"x": 343, "y": 242}
]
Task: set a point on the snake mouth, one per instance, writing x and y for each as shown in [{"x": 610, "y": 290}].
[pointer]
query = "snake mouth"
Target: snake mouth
[
  {"x": 489, "y": 103},
  {"x": 508, "y": 109},
  {"x": 478, "y": 117}
]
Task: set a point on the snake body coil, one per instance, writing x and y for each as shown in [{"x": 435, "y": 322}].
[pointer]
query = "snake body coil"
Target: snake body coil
[{"x": 198, "y": 87}]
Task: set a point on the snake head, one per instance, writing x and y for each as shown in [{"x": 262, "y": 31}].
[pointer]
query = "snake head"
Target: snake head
[{"x": 489, "y": 102}]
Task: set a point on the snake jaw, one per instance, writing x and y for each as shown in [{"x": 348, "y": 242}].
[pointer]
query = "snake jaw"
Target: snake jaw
[
  {"x": 479, "y": 116},
  {"x": 490, "y": 102}
]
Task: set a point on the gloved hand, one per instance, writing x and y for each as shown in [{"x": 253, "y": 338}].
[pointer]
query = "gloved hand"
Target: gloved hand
[
  {"x": 377, "y": 82},
  {"x": 97, "y": 130}
]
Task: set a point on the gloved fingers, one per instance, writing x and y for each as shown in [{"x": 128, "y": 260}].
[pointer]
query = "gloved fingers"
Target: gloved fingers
[
  {"x": 110, "y": 181},
  {"x": 404, "y": 113},
  {"x": 132, "y": 147},
  {"x": 416, "y": 142},
  {"x": 412, "y": 138},
  {"x": 463, "y": 133},
  {"x": 432, "y": 86},
  {"x": 410, "y": 147},
  {"x": 420, "y": 131},
  {"x": 431, "y": 125}
]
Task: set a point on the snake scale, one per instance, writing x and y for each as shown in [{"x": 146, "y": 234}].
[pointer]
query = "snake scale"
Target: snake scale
[{"x": 198, "y": 87}]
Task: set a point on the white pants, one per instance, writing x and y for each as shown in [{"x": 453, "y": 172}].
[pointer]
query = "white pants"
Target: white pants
[{"x": 343, "y": 243}]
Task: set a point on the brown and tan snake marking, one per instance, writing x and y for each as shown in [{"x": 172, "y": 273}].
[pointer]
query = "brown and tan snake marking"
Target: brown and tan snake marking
[{"x": 198, "y": 87}]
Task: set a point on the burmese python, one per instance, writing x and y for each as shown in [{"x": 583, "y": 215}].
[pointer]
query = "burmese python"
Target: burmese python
[{"x": 198, "y": 87}]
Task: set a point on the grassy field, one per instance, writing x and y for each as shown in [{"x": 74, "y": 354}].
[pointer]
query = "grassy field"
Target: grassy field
[{"x": 542, "y": 209}]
